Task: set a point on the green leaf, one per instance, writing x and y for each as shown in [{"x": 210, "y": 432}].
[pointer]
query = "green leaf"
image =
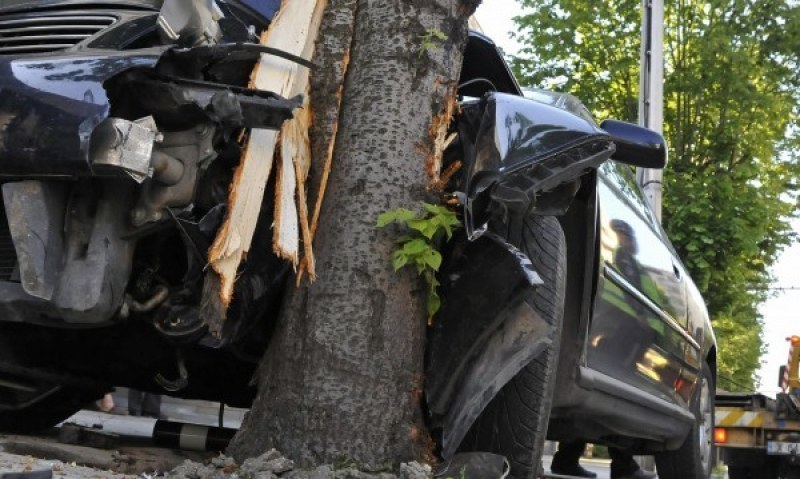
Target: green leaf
[
  {"x": 418, "y": 225},
  {"x": 435, "y": 209},
  {"x": 433, "y": 259},
  {"x": 434, "y": 302},
  {"x": 400, "y": 215},
  {"x": 399, "y": 260},
  {"x": 415, "y": 247}
]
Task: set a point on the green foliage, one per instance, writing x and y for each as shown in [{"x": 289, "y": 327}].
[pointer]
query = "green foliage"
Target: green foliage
[
  {"x": 731, "y": 109},
  {"x": 429, "y": 40},
  {"x": 418, "y": 248}
]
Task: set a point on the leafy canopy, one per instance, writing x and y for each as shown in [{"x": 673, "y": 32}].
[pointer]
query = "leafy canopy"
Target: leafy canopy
[{"x": 731, "y": 109}]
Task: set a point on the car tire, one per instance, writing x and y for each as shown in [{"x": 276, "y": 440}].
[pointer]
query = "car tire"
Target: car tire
[
  {"x": 693, "y": 460},
  {"x": 47, "y": 412},
  {"x": 514, "y": 423}
]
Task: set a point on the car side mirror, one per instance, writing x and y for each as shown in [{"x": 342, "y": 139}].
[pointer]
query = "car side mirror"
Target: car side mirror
[{"x": 636, "y": 145}]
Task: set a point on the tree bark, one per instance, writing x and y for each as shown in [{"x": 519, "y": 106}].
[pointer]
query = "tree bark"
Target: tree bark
[{"x": 342, "y": 377}]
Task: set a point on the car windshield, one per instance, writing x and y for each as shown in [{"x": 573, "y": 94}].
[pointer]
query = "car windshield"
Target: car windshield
[
  {"x": 267, "y": 8},
  {"x": 564, "y": 101}
]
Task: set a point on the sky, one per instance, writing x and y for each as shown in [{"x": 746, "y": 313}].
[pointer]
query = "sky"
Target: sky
[{"x": 781, "y": 313}]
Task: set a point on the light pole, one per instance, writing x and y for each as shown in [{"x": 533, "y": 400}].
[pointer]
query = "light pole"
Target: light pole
[{"x": 651, "y": 92}]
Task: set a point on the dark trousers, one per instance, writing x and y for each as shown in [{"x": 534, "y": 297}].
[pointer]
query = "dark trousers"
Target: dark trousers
[
  {"x": 569, "y": 453},
  {"x": 143, "y": 404}
]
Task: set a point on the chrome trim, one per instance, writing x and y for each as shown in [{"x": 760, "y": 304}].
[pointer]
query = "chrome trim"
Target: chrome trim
[
  {"x": 59, "y": 20},
  {"x": 595, "y": 380},
  {"x": 623, "y": 283},
  {"x": 40, "y": 33}
]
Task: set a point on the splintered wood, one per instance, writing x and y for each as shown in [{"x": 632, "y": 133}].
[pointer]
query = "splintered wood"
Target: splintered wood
[{"x": 293, "y": 30}]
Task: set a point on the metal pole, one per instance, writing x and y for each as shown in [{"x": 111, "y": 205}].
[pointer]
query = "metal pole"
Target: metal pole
[
  {"x": 651, "y": 92},
  {"x": 651, "y": 110}
]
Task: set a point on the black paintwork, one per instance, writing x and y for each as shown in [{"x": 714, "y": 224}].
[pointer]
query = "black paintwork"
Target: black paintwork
[
  {"x": 636, "y": 145},
  {"x": 484, "y": 69},
  {"x": 27, "y": 5},
  {"x": 521, "y": 150},
  {"x": 643, "y": 350},
  {"x": 49, "y": 106},
  {"x": 50, "y": 103}
]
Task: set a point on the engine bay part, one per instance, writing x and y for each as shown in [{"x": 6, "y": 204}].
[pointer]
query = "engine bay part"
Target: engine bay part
[
  {"x": 190, "y": 23},
  {"x": 126, "y": 145}
]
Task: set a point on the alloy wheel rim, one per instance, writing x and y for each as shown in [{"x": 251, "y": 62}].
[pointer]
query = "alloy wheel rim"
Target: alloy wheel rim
[{"x": 703, "y": 428}]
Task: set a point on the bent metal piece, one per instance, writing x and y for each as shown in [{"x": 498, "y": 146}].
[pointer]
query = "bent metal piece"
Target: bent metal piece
[
  {"x": 524, "y": 149},
  {"x": 72, "y": 107}
]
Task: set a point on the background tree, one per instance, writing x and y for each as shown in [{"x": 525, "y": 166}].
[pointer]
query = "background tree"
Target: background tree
[
  {"x": 342, "y": 378},
  {"x": 731, "y": 107}
]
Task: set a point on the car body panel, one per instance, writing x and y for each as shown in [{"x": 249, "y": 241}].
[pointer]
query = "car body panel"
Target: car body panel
[
  {"x": 640, "y": 298},
  {"x": 50, "y": 105},
  {"x": 22, "y": 5}
]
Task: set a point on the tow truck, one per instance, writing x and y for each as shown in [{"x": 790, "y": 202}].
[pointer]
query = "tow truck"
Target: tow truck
[{"x": 760, "y": 436}]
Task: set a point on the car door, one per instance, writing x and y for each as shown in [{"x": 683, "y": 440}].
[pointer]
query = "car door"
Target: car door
[{"x": 637, "y": 333}]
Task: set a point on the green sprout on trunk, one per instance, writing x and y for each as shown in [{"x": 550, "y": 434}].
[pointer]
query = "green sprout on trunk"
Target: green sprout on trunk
[
  {"x": 430, "y": 40},
  {"x": 418, "y": 248}
]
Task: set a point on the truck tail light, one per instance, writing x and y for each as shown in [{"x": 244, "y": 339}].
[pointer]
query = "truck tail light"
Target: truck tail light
[{"x": 720, "y": 435}]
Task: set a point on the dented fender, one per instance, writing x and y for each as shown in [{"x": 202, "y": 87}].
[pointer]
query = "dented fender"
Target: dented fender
[
  {"x": 522, "y": 157},
  {"x": 484, "y": 334}
]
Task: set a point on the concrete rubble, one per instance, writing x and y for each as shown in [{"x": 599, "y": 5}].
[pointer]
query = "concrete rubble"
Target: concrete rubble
[{"x": 272, "y": 465}]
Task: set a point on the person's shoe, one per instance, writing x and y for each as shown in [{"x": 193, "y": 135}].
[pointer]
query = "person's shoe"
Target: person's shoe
[
  {"x": 638, "y": 474},
  {"x": 575, "y": 470}
]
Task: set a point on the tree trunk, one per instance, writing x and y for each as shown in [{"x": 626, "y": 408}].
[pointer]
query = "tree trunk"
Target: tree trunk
[{"x": 342, "y": 377}]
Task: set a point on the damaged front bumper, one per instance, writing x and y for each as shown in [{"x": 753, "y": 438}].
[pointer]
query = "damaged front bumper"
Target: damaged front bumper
[
  {"x": 78, "y": 123},
  {"x": 52, "y": 109}
]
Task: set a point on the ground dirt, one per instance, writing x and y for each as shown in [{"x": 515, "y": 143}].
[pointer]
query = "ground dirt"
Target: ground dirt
[
  {"x": 152, "y": 463},
  {"x": 272, "y": 465}
]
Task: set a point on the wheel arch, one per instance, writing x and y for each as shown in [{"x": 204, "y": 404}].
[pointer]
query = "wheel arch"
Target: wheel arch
[{"x": 491, "y": 342}]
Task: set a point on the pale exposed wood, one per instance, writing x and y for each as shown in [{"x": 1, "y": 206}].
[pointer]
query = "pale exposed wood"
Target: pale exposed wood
[
  {"x": 286, "y": 241},
  {"x": 296, "y": 162},
  {"x": 292, "y": 30},
  {"x": 438, "y": 132}
]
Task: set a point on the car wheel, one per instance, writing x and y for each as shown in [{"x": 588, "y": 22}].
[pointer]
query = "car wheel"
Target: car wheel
[
  {"x": 693, "y": 459},
  {"x": 54, "y": 407},
  {"x": 514, "y": 423}
]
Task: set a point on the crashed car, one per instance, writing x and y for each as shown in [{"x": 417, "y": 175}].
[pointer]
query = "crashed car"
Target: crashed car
[
  {"x": 566, "y": 313},
  {"x": 119, "y": 136}
]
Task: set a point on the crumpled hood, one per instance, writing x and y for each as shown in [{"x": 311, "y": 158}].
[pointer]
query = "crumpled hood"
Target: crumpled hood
[{"x": 522, "y": 150}]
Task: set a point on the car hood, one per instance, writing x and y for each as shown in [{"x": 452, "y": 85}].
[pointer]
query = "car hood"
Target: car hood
[{"x": 22, "y": 5}]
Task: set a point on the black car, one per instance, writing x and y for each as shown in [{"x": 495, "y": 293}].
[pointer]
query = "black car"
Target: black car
[{"x": 566, "y": 312}]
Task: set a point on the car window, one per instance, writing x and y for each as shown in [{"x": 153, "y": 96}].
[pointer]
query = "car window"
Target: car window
[{"x": 622, "y": 177}]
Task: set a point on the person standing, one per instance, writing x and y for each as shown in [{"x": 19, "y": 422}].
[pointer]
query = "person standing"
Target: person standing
[{"x": 567, "y": 462}]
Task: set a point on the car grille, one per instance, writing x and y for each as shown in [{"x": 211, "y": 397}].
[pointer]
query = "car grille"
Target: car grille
[{"x": 40, "y": 32}]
